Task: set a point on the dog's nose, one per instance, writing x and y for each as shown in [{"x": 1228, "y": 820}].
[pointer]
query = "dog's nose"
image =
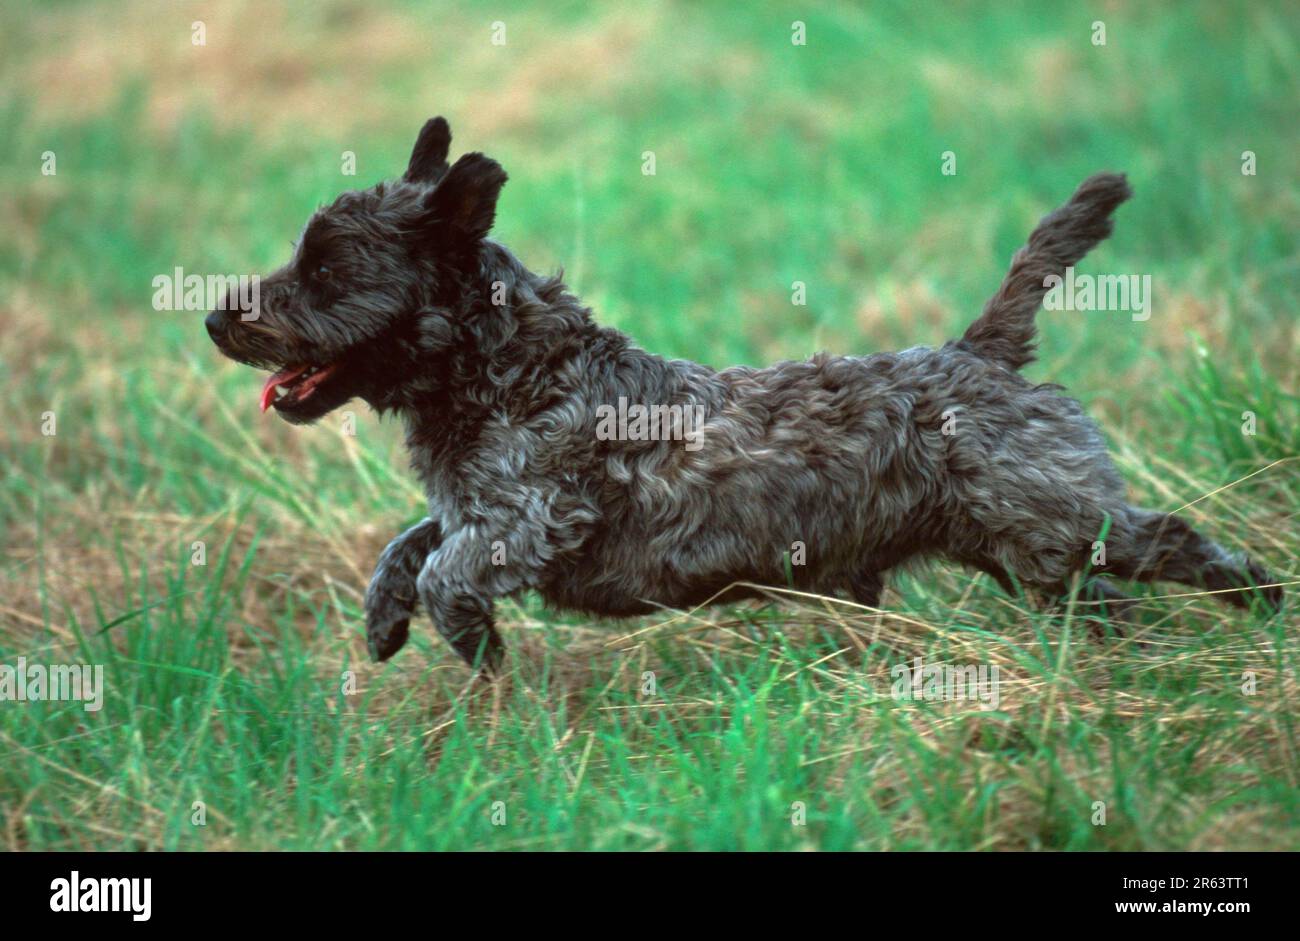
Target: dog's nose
[{"x": 216, "y": 323}]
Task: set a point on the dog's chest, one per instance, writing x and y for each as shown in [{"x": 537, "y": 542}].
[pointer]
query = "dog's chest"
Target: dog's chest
[
  {"x": 462, "y": 487},
  {"x": 444, "y": 496}
]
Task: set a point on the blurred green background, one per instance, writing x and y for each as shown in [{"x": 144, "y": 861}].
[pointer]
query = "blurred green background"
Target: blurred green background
[{"x": 775, "y": 163}]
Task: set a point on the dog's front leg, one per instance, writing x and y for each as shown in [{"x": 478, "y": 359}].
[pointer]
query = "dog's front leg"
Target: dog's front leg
[
  {"x": 391, "y": 596},
  {"x": 472, "y": 567}
]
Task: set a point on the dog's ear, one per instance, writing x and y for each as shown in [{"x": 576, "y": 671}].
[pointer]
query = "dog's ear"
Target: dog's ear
[
  {"x": 429, "y": 157},
  {"x": 464, "y": 204}
]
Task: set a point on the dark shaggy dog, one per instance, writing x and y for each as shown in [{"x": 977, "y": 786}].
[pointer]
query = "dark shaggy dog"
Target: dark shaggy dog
[{"x": 845, "y": 465}]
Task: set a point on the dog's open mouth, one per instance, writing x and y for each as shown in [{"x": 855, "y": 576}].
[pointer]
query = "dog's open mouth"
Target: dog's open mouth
[{"x": 294, "y": 384}]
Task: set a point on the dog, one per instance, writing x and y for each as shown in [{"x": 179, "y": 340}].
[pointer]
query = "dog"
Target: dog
[{"x": 828, "y": 472}]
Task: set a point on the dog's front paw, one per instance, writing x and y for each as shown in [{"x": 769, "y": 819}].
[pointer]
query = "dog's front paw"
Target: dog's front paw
[
  {"x": 388, "y": 624},
  {"x": 386, "y": 638}
]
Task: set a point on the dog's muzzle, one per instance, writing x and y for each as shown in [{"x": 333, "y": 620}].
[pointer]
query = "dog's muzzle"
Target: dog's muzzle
[{"x": 217, "y": 324}]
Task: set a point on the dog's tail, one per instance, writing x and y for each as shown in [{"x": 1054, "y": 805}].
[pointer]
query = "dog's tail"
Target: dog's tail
[{"x": 1005, "y": 330}]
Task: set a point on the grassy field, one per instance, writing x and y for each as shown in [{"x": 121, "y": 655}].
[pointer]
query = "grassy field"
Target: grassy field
[{"x": 775, "y": 163}]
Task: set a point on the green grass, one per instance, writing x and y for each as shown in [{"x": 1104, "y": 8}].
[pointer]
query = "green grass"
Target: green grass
[{"x": 775, "y": 164}]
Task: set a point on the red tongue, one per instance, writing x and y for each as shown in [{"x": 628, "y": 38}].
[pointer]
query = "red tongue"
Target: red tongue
[{"x": 282, "y": 378}]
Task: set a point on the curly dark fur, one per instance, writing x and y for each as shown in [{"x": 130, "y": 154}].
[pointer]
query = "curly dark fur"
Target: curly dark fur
[{"x": 869, "y": 462}]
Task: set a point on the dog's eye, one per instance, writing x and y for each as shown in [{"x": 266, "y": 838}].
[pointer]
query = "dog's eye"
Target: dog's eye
[{"x": 323, "y": 273}]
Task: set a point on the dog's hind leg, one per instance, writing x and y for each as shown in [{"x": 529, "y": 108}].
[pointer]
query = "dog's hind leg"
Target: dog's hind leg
[
  {"x": 1163, "y": 547},
  {"x": 391, "y": 596},
  {"x": 1109, "y": 602},
  {"x": 866, "y": 587},
  {"x": 1098, "y": 596},
  {"x": 1101, "y": 602},
  {"x": 993, "y": 569}
]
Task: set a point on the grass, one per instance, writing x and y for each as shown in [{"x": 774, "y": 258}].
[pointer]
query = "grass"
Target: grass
[{"x": 775, "y": 163}]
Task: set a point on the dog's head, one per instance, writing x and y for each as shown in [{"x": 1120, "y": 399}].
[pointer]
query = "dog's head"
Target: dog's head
[{"x": 369, "y": 293}]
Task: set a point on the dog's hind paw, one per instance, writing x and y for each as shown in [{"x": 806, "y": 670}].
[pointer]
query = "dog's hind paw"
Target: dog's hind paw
[{"x": 1268, "y": 598}]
